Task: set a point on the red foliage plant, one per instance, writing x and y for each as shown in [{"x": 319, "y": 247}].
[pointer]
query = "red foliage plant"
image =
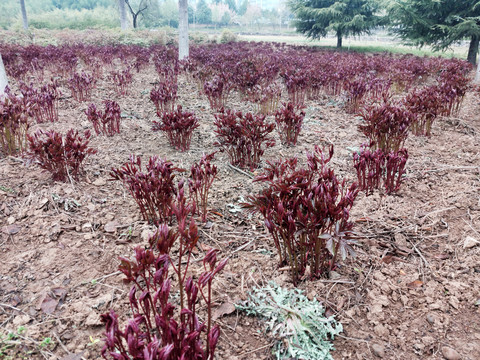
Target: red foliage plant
[
  {"x": 296, "y": 81},
  {"x": 370, "y": 167},
  {"x": 164, "y": 95},
  {"x": 394, "y": 170},
  {"x": 244, "y": 137},
  {"x": 202, "y": 175},
  {"x": 217, "y": 91},
  {"x": 13, "y": 124},
  {"x": 105, "y": 122},
  {"x": 122, "y": 80},
  {"x": 427, "y": 103},
  {"x": 179, "y": 126},
  {"x": 289, "y": 123},
  {"x": 376, "y": 167},
  {"x": 246, "y": 74},
  {"x": 62, "y": 157},
  {"x": 142, "y": 58},
  {"x": 81, "y": 86},
  {"x": 157, "y": 330},
  {"x": 307, "y": 213},
  {"x": 153, "y": 190},
  {"x": 200, "y": 76},
  {"x": 266, "y": 96},
  {"x": 48, "y": 100},
  {"x": 167, "y": 64},
  {"x": 43, "y": 103},
  {"x": 356, "y": 90},
  {"x": 453, "y": 86},
  {"x": 378, "y": 89},
  {"x": 386, "y": 125}
]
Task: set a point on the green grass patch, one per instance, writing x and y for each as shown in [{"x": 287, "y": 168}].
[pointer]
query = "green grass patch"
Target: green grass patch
[{"x": 360, "y": 44}]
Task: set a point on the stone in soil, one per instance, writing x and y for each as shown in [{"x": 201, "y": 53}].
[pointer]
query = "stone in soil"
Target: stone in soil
[
  {"x": 450, "y": 354},
  {"x": 378, "y": 350}
]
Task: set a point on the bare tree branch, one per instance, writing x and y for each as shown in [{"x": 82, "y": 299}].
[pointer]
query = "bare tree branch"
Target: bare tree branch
[{"x": 140, "y": 10}]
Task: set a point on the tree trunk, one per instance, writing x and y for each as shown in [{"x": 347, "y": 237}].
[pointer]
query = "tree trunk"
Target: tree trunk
[
  {"x": 339, "y": 39},
  {"x": 123, "y": 15},
  {"x": 135, "y": 14},
  {"x": 473, "y": 50},
  {"x": 135, "y": 20},
  {"x": 3, "y": 78},
  {"x": 477, "y": 75},
  {"x": 183, "y": 51},
  {"x": 24, "y": 14}
]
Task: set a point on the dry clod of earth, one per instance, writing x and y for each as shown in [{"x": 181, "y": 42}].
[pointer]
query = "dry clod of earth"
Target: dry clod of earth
[
  {"x": 378, "y": 350},
  {"x": 450, "y": 354},
  {"x": 470, "y": 242}
]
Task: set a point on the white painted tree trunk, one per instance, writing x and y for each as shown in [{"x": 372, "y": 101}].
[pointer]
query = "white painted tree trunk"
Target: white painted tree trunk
[
  {"x": 123, "y": 15},
  {"x": 183, "y": 50},
  {"x": 24, "y": 14},
  {"x": 3, "y": 78},
  {"x": 477, "y": 74}
]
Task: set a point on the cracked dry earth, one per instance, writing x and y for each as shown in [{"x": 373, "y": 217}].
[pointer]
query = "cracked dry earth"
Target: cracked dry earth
[{"x": 412, "y": 293}]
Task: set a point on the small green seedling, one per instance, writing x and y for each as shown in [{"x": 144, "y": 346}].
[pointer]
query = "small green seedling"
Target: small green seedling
[{"x": 46, "y": 342}]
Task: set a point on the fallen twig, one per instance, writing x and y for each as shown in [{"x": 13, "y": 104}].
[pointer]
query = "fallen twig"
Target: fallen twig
[
  {"x": 13, "y": 308},
  {"x": 339, "y": 281},
  {"x": 101, "y": 278},
  {"x": 61, "y": 343},
  {"x": 439, "y": 210},
  {"x": 255, "y": 350},
  {"x": 241, "y": 171},
  {"x": 421, "y": 255},
  {"x": 242, "y": 247},
  {"x": 211, "y": 238},
  {"x": 351, "y": 338},
  {"x": 453, "y": 168},
  {"x": 10, "y": 306}
]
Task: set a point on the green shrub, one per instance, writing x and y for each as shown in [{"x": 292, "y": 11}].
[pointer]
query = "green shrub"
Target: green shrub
[
  {"x": 227, "y": 36},
  {"x": 98, "y": 18},
  {"x": 198, "y": 37},
  {"x": 91, "y": 36}
]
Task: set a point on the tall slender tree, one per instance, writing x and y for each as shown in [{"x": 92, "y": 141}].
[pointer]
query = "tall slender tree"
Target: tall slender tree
[
  {"x": 183, "y": 48},
  {"x": 3, "y": 78},
  {"x": 439, "y": 23},
  {"x": 24, "y": 14},
  {"x": 123, "y": 15},
  {"x": 316, "y": 18}
]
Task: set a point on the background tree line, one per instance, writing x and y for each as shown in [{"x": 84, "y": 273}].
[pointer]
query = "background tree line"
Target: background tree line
[
  {"x": 80, "y": 14},
  {"x": 439, "y": 23}
]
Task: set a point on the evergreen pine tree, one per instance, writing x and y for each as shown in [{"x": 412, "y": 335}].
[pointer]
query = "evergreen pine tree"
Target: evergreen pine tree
[
  {"x": 315, "y": 18},
  {"x": 439, "y": 23}
]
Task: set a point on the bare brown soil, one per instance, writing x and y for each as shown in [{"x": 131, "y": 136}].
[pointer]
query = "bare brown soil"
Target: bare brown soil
[{"x": 410, "y": 293}]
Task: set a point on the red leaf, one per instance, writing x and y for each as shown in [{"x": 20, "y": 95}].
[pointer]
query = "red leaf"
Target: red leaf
[
  {"x": 415, "y": 284},
  {"x": 48, "y": 305}
]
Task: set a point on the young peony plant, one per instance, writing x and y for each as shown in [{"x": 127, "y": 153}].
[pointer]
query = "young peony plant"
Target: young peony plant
[
  {"x": 159, "y": 329},
  {"x": 307, "y": 213}
]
